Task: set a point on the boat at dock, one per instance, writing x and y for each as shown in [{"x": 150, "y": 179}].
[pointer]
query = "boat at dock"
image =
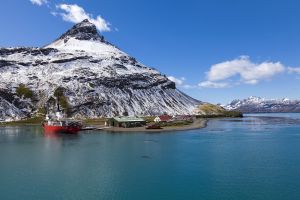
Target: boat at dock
[{"x": 58, "y": 123}]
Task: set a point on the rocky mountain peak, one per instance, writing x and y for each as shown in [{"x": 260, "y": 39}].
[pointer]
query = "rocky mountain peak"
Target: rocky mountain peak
[
  {"x": 84, "y": 30},
  {"x": 94, "y": 78}
]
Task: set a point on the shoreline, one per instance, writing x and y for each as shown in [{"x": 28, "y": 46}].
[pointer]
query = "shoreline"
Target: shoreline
[{"x": 197, "y": 124}]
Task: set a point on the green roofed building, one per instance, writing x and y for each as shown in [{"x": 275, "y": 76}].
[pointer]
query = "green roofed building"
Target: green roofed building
[{"x": 126, "y": 122}]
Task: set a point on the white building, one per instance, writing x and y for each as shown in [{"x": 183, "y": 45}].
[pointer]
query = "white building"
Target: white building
[{"x": 156, "y": 119}]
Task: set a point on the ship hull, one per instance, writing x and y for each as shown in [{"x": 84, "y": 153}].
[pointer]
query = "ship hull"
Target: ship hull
[{"x": 61, "y": 129}]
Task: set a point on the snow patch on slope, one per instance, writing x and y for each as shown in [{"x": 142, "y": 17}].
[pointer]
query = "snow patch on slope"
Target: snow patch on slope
[
  {"x": 88, "y": 46},
  {"x": 9, "y": 112}
]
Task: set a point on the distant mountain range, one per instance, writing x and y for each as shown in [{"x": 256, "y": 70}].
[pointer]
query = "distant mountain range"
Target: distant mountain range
[{"x": 261, "y": 105}]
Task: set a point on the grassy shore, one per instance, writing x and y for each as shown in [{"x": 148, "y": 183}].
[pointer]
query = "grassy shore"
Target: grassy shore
[
  {"x": 214, "y": 111},
  {"x": 148, "y": 119},
  {"x": 29, "y": 121},
  {"x": 39, "y": 120},
  {"x": 197, "y": 123},
  {"x": 95, "y": 121}
]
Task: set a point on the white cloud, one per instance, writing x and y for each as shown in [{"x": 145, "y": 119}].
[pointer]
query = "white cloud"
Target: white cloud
[
  {"x": 187, "y": 86},
  {"x": 294, "y": 70},
  {"x": 245, "y": 69},
  {"x": 54, "y": 13},
  {"x": 39, "y": 2},
  {"x": 74, "y": 13},
  {"x": 251, "y": 82},
  {"x": 178, "y": 81},
  {"x": 210, "y": 84}
]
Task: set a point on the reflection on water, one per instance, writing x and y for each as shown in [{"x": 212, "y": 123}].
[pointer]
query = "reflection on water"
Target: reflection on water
[
  {"x": 259, "y": 122},
  {"x": 256, "y": 157},
  {"x": 15, "y": 133},
  {"x": 61, "y": 136},
  {"x": 21, "y": 134},
  {"x": 16, "y": 130}
]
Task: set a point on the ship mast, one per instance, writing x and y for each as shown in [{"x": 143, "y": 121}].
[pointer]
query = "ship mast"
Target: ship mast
[
  {"x": 58, "y": 112},
  {"x": 58, "y": 109}
]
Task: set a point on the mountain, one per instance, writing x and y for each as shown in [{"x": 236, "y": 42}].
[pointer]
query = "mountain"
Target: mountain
[
  {"x": 210, "y": 110},
  {"x": 92, "y": 77},
  {"x": 261, "y": 105}
]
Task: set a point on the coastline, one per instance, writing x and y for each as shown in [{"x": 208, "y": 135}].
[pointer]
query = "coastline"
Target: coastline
[{"x": 197, "y": 124}]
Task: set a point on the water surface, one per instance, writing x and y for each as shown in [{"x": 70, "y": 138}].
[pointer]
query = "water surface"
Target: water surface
[{"x": 257, "y": 157}]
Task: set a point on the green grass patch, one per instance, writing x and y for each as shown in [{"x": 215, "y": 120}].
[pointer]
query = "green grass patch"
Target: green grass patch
[
  {"x": 213, "y": 111},
  {"x": 23, "y": 91},
  {"x": 63, "y": 101},
  {"x": 175, "y": 123},
  {"x": 28, "y": 121},
  {"x": 149, "y": 119},
  {"x": 96, "y": 121}
]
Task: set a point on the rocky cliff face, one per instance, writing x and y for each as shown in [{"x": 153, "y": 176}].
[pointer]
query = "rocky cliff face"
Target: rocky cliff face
[
  {"x": 261, "y": 105},
  {"x": 93, "y": 77}
]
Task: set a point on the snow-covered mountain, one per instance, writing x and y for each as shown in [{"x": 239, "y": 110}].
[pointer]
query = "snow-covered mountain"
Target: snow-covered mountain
[
  {"x": 94, "y": 77},
  {"x": 262, "y": 105}
]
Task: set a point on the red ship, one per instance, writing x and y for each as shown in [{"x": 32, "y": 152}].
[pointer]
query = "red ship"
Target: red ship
[
  {"x": 59, "y": 124},
  {"x": 62, "y": 126}
]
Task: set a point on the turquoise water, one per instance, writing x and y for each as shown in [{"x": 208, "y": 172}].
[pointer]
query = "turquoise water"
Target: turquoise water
[{"x": 257, "y": 157}]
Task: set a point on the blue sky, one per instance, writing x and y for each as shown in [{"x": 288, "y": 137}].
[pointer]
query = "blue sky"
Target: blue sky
[{"x": 215, "y": 50}]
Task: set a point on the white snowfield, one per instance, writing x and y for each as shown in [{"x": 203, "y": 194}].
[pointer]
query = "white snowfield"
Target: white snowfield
[{"x": 98, "y": 78}]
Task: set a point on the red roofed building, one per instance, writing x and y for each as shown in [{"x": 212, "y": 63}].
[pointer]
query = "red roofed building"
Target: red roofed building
[{"x": 163, "y": 118}]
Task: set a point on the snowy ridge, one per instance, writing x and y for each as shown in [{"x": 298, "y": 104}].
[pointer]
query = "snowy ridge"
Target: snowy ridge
[
  {"x": 9, "y": 112},
  {"x": 258, "y": 105},
  {"x": 98, "y": 79}
]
